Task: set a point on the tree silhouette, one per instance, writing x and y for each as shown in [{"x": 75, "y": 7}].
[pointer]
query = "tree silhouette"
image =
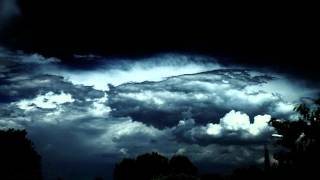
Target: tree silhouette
[
  {"x": 301, "y": 140},
  {"x": 182, "y": 164},
  {"x": 249, "y": 173},
  {"x": 18, "y": 158},
  {"x": 211, "y": 177},
  {"x": 176, "y": 177},
  {"x": 153, "y": 167},
  {"x": 126, "y": 169}
]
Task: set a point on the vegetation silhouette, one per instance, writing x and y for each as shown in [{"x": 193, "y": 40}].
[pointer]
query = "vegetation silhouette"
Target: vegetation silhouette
[
  {"x": 156, "y": 167},
  {"x": 300, "y": 141},
  {"x": 211, "y": 177},
  {"x": 145, "y": 167},
  {"x": 180, "y": 176},
  {"x": 182, "y": 165},
  {"x": 18, "y": 158}
]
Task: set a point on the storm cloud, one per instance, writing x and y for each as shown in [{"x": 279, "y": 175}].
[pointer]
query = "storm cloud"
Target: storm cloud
[
  {"x": 173, "y": 104},
  {"x": 207, "y": 95}
]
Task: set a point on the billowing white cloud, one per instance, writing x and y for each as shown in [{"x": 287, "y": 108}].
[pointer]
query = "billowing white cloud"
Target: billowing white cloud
[
  {"x": 233, "y": 128},
  {"x": 46, "y": 101},
  {"x": 235, "y": 120},
  {"x": 214, "y": 129},
  {"x": 260, "y": 124},
  {"x": 99, "y": 108}
]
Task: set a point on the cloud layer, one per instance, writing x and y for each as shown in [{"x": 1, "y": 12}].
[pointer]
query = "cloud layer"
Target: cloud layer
[
  {"x": 170, "y": 103},
  {"x": 208, "y": 96}
]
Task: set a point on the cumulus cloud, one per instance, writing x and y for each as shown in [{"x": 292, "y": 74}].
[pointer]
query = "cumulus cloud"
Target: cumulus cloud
[
  {"x": 239, "y": 123},
  {"x": 235, "y": 121},
  {"x": 46, "y": 101},
  {"x": 233, "y": 128}
]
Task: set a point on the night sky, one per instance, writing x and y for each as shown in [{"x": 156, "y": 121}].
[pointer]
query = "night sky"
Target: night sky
[{"x": 93, "y": 83}]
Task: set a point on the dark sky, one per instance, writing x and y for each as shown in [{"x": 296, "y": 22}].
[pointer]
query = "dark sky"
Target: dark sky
[{"x": 282, "y": 36}]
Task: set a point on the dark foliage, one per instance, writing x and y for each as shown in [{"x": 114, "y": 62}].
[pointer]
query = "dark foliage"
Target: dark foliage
[
  {"x": 155, "y": 166},
  {"x": 126, "y": 169},
  {"x": 301, "y": 142},
  {"x": 151, "y": 165},
  {"x": 176, "y": 177},
  {"x": 211, "y": 177},
  {"x": 248, "y": 173},
  {"x": 182, "y": 164},
  {"x": 18, "y": 158}
]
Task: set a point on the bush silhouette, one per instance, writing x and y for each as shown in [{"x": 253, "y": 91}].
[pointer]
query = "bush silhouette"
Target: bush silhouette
[
  {"x": 181, "y": 164},
  {"x": 176, "y": 177},
  {"x": 151, "y": 165},
  {"x": 211, "y": 177},
  {"x": 154, "y": 166},
  {"x": 126, "y": 169},
  {"x": 18, "y": 158},
  {"x": 301, "y": 140},
  {"x": 248, "y": 173}
]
